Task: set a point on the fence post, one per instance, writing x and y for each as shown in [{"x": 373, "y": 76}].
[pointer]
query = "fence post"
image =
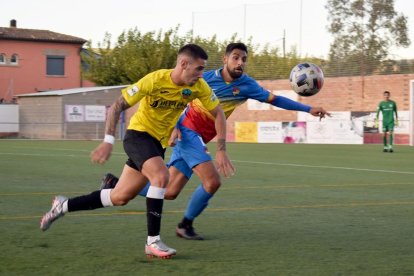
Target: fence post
[{"x": 64, "y": 130}]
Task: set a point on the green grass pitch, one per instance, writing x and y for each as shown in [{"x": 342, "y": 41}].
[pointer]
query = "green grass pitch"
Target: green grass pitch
[{"x": 289, "y": 210}]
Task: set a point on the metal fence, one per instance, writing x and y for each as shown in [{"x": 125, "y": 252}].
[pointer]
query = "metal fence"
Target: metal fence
[{"x": 86, "y": 131}]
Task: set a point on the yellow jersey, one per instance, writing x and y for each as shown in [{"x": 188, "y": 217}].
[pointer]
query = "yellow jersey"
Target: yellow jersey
[{"x": 161, "y": 102}]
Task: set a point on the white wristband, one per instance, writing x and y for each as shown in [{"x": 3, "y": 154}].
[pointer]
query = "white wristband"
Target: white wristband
[{"x": 109, "y": 139}]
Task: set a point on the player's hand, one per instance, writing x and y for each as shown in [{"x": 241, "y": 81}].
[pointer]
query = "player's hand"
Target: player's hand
[
  {"x": 397, "y": 123},
  {"x": 224, "y": 165},
  {"x": 319, "y": 112},
  {"x": 102, "y": 153},
  {"x": 175, "y": 136}
]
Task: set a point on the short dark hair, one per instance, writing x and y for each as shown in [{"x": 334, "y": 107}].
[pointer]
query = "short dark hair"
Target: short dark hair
[
  {"x": 236, "y": 45},
  {"x": 194, "y": 51},
  {"x": 387, "y": 92}
]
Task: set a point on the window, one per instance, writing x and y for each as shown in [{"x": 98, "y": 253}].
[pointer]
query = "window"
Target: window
[
  {"x": 55, "y": 66},
  {"x": 14, "y": 60},
  {"x": 2, "y": 59}
]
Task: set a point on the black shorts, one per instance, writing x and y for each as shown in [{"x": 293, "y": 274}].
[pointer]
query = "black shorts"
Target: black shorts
[{"x": 140, "y": 146}]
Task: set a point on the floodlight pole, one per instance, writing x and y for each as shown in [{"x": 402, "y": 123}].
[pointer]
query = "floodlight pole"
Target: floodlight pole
[
  {"x": 244, "y": 22},
  {"x": 300, "y": 29},
  {"x": 192, "y": 24},
  {"x": 284, "y": 43}
]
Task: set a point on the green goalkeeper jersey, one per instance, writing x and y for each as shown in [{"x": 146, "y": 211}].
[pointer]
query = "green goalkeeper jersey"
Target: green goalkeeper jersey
[{"x": 387, "y": 108}]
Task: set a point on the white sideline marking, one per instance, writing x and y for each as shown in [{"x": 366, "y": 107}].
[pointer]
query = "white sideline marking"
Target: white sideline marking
[
  {"x": 239, "y": 161},
  {"x": 51, "y": 155},
  {"x": 37, "y": 154},
  {"x": 315, "y": 206},
  {"x": 321, "y": 167}
]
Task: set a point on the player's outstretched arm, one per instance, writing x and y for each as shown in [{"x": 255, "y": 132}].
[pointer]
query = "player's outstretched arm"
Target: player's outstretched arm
[
  {"x": 224, "y": 164},
  {"x": 102, "y": 153},
  {"x": 319, "y": 112},
  {"x": 289, "y": 104}
]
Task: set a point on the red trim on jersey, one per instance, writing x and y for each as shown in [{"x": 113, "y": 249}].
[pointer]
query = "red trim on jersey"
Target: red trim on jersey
[{"x": 200, "y": 122}]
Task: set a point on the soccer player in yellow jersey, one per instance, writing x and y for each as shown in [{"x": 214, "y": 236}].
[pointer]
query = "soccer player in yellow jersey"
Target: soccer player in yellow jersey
[{"x": 162, "y": 95}]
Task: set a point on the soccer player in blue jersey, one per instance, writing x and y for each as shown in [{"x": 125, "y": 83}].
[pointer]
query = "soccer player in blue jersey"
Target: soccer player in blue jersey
[{"x": 195, "y": 128}]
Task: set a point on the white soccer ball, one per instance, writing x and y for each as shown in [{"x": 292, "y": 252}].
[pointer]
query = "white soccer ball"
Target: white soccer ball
[{"x": 306, "y": 79}]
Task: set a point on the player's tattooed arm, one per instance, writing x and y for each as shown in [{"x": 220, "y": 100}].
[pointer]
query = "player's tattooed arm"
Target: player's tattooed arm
[
  {"x": 223, "y": 162},
  {"x": 220, "y": 124},
  {"x": 221, "y": 144},
  {"x": 114, "y": 113}
]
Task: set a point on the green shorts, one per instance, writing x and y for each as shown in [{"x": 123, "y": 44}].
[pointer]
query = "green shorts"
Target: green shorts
[{"x": 388, "y": 127}]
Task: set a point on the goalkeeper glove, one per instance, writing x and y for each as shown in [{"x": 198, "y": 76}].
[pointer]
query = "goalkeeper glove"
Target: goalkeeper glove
[
  {"x": 396, "y": 122},
  {"x": 376, "y": 123}
]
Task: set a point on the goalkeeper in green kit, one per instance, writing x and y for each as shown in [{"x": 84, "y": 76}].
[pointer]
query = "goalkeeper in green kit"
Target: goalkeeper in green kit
[{"x": 388, "y": 108}]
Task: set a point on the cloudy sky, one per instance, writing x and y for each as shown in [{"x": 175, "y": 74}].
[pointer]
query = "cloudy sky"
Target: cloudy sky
[{"x": 266, "y": 21}]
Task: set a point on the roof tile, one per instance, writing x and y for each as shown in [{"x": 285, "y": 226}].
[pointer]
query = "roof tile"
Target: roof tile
[{"x": 37, "y": 35}]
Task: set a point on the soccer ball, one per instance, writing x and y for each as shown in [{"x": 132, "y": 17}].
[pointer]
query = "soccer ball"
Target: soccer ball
[{"x": 306, "y": 79}]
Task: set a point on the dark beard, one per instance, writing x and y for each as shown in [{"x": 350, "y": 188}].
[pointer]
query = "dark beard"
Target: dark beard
[{"x": 234, "y": 74}]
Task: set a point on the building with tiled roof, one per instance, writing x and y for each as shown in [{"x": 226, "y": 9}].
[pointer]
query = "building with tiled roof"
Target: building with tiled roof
[
  {"x": 14, "y": 33},
  {"x": 38, "y": 60}
]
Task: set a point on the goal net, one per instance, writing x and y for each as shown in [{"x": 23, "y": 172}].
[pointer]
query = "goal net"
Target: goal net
[{"x": 412, "y": 113}]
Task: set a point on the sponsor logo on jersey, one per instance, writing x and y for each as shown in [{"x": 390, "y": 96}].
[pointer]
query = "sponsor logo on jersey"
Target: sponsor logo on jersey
[
  {"x": 133, "y": 90},
  {"x": 154, "y": 104},
  {"x": 168, "y": 104},
  {"x": 186, "y": 93},
  {"x": 235, "y": 91}
]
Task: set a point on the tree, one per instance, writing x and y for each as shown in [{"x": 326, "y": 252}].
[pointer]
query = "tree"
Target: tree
[
  {"x": 363, "y": 31},
  {"x": 136, "y": 54},
  {"x": 133, "y": 56}
]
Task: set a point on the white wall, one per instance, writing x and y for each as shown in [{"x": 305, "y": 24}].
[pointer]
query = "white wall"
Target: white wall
[{"x": 9, "y": 118}]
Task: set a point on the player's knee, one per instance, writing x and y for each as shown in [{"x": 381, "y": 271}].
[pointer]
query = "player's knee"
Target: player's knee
[
  {"x": 212, "y": 185},
  {"x": 170, "y": 195},
  {"x": 160, "y": 180}
]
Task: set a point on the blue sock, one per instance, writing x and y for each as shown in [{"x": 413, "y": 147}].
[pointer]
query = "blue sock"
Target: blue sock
[
  {"x": 144, "y": 191},
  {"x": 198, "y": 202}
]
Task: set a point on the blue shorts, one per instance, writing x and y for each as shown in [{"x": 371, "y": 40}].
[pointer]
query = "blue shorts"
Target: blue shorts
[{"x": 189, "y": 152}]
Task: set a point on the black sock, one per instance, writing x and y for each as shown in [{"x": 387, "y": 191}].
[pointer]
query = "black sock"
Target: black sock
[
  {"x": 154, "y": 211},
  {"x": 85, "y": 202}
]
